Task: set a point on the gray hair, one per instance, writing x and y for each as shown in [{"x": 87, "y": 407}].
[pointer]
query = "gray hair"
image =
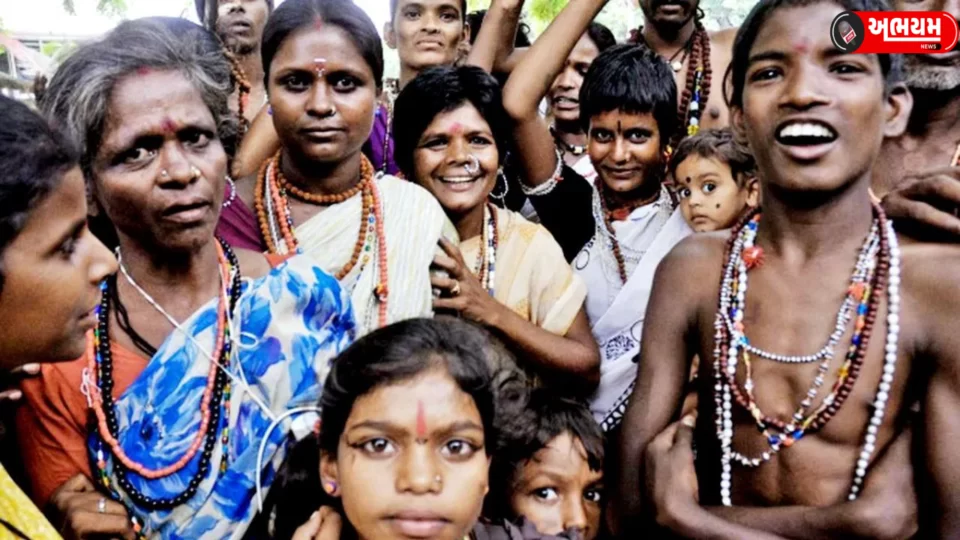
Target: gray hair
[{"x": 78, "y": 96}]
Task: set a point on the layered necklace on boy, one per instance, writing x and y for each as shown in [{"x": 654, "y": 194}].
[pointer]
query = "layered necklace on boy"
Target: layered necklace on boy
[
  {"x": 277, "y": 227},
  {"x": 877, "y": 270},
  {"x": 214, "y": 404},
  {"x": 604, "y": 217}
]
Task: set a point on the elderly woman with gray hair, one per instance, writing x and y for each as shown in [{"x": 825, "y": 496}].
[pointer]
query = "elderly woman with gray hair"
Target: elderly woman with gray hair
[{"x": 197, "y": 376}]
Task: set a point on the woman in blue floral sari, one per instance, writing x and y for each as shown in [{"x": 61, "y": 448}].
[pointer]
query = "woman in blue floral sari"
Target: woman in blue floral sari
[{"x": 206, "y": 361}]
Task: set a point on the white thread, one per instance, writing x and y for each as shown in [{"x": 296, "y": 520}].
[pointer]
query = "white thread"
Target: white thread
[{"x": 263, "y": 446}]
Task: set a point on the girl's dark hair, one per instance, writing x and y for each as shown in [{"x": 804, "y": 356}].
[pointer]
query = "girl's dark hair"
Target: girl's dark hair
[
  {"x": 480, "y": 366},
  {"x": 442, "y": 89},
  {"x": 891, "y": 65},
  {"x": 545, "y": 417},
  {"x": 633, "y": 79},
  {"x": 601, "y": 36},
  {"x": 719, "y": 144},
  {"x": 292, "y": 15},
  {"x": 475, "y": 20},
  {"x": 33, "y": 160}
]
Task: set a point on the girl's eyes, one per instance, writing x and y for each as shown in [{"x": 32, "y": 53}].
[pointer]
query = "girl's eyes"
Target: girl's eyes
[
  {"x": 592, "y": 495},
  {"x": 765, "y": 74},
  {"x": 709, "y": 187},
  {"x": 296, "y": 83},
  {"x": 68, "y": 248},
  {"x": 684, "y": 193},
  {"x": 458, "y": 448},
  {"x": 378, "y": 446},
  {"x": 546, "y": 494},
  {"x": 601, "y": 136}
]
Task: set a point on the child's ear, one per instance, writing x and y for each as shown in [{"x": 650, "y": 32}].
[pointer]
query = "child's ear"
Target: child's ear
[
  {"x": 899, "y": 104},
  {"x": 753, "y": 192},
  {"x": 467, "y": 33},
  {"x": 329, "y": 474},
  {"x": 389, "y": 35}
]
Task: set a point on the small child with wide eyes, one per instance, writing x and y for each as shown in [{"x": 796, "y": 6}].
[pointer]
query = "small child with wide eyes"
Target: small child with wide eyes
[
  {"x": 715, "y": 177},
  {"x": 547, "y": 475}
]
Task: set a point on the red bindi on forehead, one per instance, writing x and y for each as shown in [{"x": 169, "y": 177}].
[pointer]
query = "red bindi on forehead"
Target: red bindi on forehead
[
  {"x": 801, "y": 45},
  {"x": 318, "y": 24},
  {"x": 456, "y": 128},
  {"x": 169, "y": 126},
  {"x": 143, "y": 70},
  {"x": 421, "y": 421}
]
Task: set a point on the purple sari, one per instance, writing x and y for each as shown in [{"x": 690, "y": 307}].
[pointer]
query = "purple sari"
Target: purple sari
[{"x": 381, "y": 138}]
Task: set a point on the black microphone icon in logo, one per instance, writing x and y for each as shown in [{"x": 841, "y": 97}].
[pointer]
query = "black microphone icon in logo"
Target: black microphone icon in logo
[{"x": 846, "y": 31}]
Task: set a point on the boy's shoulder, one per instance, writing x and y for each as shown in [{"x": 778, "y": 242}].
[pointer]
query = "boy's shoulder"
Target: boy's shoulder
[{"x": 695, "y": 264}]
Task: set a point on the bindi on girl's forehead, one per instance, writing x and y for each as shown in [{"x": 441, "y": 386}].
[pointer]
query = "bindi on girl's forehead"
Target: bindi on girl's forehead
[
  {"x": 421, "y": 422},
  {"x": 318, "y": 24},
  {"x": 321, "y": 65},
  {"x": 143, "y": 71},
  {"x": 456, "y": 128}
]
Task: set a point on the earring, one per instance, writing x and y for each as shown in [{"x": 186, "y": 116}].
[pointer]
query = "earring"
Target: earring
[
  {"x": 269, "y": 110},
  {"x": 330, "y": 488},
  {"x": 506, "y": 187}
]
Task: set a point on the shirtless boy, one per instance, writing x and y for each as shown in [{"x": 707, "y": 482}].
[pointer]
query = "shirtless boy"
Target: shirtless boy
[{"x": 815, "y": 120}]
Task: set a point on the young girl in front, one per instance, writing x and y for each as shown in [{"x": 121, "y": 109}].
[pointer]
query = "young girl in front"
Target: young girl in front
[
  {"x": 408, "y": 424},
  {"x": 548, "y": 472}
]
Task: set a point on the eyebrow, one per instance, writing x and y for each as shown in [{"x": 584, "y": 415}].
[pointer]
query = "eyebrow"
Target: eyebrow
[
  {"x": 379, "y": 425},
  {"x": 780, "y": 56},
  {"x": 73, "y": 232}
]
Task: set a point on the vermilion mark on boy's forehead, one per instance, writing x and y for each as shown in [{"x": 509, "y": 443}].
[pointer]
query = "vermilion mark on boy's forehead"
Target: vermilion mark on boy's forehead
[
  {"x": 802, "y": 45},
  {"x": 421, "y": 421},
  {"x": 456, "y": 128}
]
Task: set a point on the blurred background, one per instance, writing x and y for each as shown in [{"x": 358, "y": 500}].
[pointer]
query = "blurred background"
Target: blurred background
[{"x": 36, "y": 34}]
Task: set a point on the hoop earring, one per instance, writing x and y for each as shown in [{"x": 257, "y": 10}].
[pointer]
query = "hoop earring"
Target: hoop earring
[{"x": 506, "y": 188}]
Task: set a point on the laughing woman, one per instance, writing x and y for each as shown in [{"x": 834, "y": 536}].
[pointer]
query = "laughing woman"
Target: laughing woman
[
  {"x": 182, "y": 399},
  {"x": 509, "y": 274},
  {"x": 318, "y": 195}
]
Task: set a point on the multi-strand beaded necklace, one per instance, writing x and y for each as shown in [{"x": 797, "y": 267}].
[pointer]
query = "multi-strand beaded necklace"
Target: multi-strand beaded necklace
[
  {"x": 877, "y": 269},
  {"x": 276, "y": 221},
  {"x": 487, "y": 259},
  {"x": 605, "y": 217},
  {"x": 214, "y": 405}
]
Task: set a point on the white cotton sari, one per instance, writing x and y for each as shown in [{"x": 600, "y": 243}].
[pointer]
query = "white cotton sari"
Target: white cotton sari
[
  {"x": 413, "y": 225},
  {"x": 616, "y": 311}
]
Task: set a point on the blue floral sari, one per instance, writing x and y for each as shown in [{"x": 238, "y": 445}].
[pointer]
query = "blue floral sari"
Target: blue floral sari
[{"x": 291, "y": 323}]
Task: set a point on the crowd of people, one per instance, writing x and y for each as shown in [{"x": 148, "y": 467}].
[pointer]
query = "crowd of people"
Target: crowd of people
[{"x": 504, "y": 297}]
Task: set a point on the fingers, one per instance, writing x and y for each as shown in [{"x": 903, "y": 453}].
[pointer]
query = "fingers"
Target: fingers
[
  {"x": 442, "y": 282},
  {"x": 457, "y": 304},
  {"x": 451, "y": 250},
  {"x": 449, "y": 265},
  {"x": 27, "y": 369},
  {"x": 683, "y": 437},
  {"x": 11, "y": 395},
  {"x": 84, "y": 524},
  {"x": 664, "y": 440},
  {"x": 309, "y": 530},
  {"x": 331, "y": 524},
  {"x": 79, "y": 483},
  {"x": 922, "y": 214}
]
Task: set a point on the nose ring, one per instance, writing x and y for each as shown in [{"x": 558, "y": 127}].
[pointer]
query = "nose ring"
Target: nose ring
[
  {"x": 474, "y": 165},
  {"x": 195, "y": 172},
  {"x": 164, "y": 174}
]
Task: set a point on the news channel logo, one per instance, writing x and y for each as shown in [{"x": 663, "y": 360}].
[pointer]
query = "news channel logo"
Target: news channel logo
[{"x": 847, "y": 32}]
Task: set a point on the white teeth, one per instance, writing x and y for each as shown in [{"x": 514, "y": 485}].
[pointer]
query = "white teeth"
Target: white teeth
[
  {"x": 458, "y": 179},
  {"x": 806, "y": 130}
]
